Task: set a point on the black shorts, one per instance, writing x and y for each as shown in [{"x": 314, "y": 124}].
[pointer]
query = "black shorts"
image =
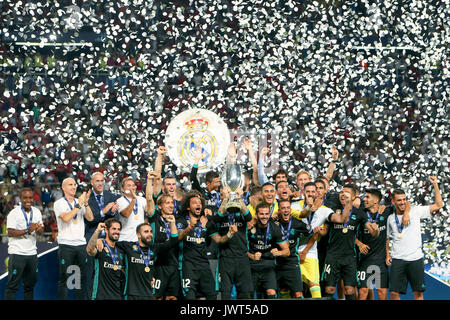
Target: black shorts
[
  {"x": 289, "y": 277},
  {"x": 198, "y": 282},
  {"x": 336, "y": 268},
  {"x": 167, "y": 281},
  {"x": 264, "y": 278},
  {"x": 234, "y": 271},
  {"x": 403, "y": 272},
  {"x": 373, "y": 275}
]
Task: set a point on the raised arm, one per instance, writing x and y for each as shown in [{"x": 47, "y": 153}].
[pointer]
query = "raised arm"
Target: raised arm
[
  {"x": 262, "y": 177},
  {"x": 158, "y": 169},
  {"x": 193, "y": 175},
  {"x": 253, "y": 160},
  {"x": 225, "y": 195},
  {"x": 91, "y": 247},
  {"x": 332, "y": 165},
  {"x": 88, "y": 214},
  {"x": 438, "y": 203},
  {"x": 231, "y": 154},
  {"x": 152, "y": 177}
]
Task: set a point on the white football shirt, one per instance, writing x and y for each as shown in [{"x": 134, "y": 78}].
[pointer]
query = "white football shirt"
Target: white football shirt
[
  {"x": 409, "y": 246},
  {"x": 26, "y": 244},
  {"x": 69, "y": 233}
]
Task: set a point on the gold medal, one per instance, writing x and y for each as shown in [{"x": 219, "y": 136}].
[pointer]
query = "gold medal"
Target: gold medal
[
  {"x": 147, "y": 269},
  {"x": 400, "y": 235},
  {"x": 115, "y": 268},
  {"x": 345, "y": 230},
  {"x": 136, "y": 217},
  {"x": 75, "y": 221},
  {"x": 199, "y": 240}
]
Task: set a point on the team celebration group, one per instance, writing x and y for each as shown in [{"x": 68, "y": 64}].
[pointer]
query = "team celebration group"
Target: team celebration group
[{"x": 269, "y": 239}]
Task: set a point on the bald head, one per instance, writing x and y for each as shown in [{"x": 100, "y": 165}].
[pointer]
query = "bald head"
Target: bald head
[{"x": 69, "y": 187}]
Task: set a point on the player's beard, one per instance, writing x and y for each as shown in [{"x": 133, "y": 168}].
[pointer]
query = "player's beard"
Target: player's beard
[
  {"x": 112, "y": 237},
  {"x": 145, "y": 241},
  {"x": 196, "y": 213}
]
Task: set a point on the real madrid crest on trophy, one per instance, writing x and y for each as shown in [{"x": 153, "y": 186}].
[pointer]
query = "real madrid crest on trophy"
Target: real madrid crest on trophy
[{"x": 195, "y": 128}]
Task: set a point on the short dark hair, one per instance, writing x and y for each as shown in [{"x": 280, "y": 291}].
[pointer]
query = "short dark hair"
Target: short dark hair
[
  {"x": 210, "y": 175},
  {"x": 261, "y": 205},
  {"x": 110, "y": 221},
  {"x": 319, "y": 181},
  {"x": 280, "y": 171},
  {"x": 308, "y": 184},
  {"x": 375, "y": 192},
  {"x": 283, "y": 200},
  {"x": 397, "y": 191},
  {"x": 353, "y": 187},
  {"x": 26, "y": 189},
  {"x": 266, "y": 184},
  {"x": 139, "y": 226},
  {"x": 322, "y": 178},
  {"x": 283, "y": 181}
]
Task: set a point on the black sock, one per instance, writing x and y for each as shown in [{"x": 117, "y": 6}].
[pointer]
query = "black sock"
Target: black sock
[{"x": 271, "y": 296}]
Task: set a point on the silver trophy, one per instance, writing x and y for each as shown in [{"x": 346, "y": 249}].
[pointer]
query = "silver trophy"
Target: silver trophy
[{"x": 233, "y": 179}]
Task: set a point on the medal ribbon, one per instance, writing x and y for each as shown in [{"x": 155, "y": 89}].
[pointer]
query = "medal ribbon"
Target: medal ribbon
[
  {"x": 175, "y": 207},
  {"x": 114, "y": 255},
  {"x": 216, "y": 198},
  {"x": 246, "y": 197},
  {"x": 309, "y": 219},
  {"x": 267, "y": 234},
  {"x": 286, "y": 233},
  {"x": 135, "y": 208},
  {"x": 101, "y": 202},
  {"x": 272, "y": 207},
  {"x": 166, "y": 228},
  {"x": 397, "y": 222},
  {"x": 25, "y": 216},
  {"x": 369, "y": 217},
  {"x": 146, "y": 258},
  {"x": 70, "y": 206},
  {"x": 348, "y": 220},
  {"x": 197, "y": 229}
]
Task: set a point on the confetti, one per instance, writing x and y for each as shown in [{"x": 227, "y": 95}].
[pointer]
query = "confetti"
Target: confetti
[{"x": 372, "y": 79}]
